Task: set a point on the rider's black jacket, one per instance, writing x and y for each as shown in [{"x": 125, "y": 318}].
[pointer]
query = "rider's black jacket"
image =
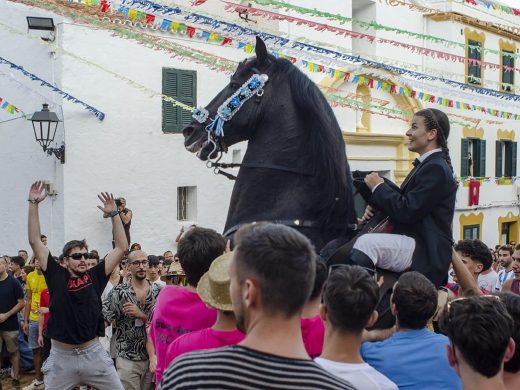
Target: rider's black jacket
[{"x": 423, "y": 209}]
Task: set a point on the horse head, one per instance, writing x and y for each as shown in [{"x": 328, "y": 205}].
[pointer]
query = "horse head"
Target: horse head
[
  {"x": 295, "y": 169},
  {"x": 228, "y": 118}
]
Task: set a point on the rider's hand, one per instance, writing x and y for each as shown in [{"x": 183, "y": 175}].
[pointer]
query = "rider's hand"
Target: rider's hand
[
  {"x": 373, "y": 179},
  {"x": 369, "y": 213}
]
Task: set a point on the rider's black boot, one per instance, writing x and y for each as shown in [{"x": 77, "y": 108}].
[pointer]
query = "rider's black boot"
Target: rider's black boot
[{"x": 359, "y": 258}]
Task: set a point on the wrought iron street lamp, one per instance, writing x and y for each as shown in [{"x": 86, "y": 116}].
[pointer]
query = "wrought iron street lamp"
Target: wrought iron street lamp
[{"x": 45, "y": 123}]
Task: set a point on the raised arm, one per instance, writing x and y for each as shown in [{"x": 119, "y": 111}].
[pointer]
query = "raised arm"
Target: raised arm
[
  {"x": 36, "y": 195},
  {"x": 467, "y": 282},
  {"x": 121, "y": 245}
]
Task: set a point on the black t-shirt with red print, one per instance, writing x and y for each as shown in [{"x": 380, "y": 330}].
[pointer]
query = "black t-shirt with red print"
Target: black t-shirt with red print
[{"x": 75, "y": 309}]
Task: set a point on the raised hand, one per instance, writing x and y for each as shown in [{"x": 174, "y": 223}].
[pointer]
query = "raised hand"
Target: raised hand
[
  {"x": 109, "y": 204},
  {"x": 37, "y": 192}
]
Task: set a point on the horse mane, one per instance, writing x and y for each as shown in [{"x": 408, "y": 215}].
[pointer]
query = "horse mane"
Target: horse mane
[{"x": 325, "y": 149}]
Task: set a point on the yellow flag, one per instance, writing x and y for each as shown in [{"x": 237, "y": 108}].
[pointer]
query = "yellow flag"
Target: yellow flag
[{"x": 132, "y": 14}]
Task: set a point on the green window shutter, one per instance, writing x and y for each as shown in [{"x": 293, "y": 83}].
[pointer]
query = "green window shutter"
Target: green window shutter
[
  {"x": 508, "y": 77},
  {"x": 508, "y": 163},
  {"x": 482, "y": 159},
  {"x": 514, "y": 151},
  {"x": 464, "y": 163},
  {"x": 474, "y": 69},
  {"x": 188, "y": 93},
  {"x": 498, "y": 159},
  {"x": 182, "y": 86}
]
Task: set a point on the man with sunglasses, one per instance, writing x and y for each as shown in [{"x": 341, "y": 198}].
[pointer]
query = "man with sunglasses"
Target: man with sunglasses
[
  {"x": 130, "y": 306},
  {"x": 76, "y": 320}
]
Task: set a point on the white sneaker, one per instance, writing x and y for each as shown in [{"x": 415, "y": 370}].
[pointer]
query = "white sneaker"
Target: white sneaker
[{"x": 35, "y": 385}]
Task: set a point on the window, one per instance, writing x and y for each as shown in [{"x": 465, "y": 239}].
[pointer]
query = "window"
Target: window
[
  {"x": 507, "y": 76},
  {"x": 471, "y": 232},
  {"x": 182, "y": 86},
  {"x": 507, "y": 231},
  {"x": 474, "y": 70},
  {"x": 473, "y": 157},
  {"x": 505, "y": 159},
  {"x": 186, "y": 203}
]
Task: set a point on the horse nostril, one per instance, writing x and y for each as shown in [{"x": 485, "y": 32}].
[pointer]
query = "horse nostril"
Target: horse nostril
[{"x": 188, "y": 131}]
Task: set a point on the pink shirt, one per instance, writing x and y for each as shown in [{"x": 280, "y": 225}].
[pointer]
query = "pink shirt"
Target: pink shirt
[
  {"x": 177, "y": 311},
  {"x": 313, "y": 332},
  {"x": 202, "y": 339}
]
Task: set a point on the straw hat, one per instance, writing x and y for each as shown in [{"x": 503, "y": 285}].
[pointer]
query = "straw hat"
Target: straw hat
[{"x": 213, "y": 287}]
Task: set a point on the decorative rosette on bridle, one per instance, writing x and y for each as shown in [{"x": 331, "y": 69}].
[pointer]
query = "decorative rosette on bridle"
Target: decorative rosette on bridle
[{"x": 226, "y": 111}]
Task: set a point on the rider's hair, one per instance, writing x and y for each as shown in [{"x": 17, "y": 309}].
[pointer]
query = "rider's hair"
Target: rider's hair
[
  {"x": 282, "y": 263},
  {"x": 350, "y": 297},
  {"x": 436, "y": 119},
  {"x": 197, "y": 249},
  {"x": 415, "y": 299},
  {"x": 479, "y": 329}
]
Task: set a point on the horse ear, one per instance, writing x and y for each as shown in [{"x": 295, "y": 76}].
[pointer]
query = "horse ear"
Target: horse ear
[{"x": 261, "y": 51}]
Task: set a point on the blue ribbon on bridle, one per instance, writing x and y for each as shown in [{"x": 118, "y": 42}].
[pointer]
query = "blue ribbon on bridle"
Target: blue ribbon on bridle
[{"x": 226, "y": 111}]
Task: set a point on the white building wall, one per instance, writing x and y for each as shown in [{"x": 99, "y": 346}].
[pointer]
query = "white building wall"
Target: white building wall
[{"x": 22, "y": 159}]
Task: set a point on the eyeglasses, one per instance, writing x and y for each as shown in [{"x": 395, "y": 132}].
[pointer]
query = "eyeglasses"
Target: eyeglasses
[
  {"x": 79, "y": 256},
  {"x": 137, "y": 263}
]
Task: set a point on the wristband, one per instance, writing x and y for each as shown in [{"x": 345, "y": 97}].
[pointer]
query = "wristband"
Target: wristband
[
  {"x": 33, "y": 201},
  {"x": 113, "y": 213}
]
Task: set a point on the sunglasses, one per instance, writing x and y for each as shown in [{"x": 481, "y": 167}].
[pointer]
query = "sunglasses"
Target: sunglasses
[{"x": 79, "y": 256}]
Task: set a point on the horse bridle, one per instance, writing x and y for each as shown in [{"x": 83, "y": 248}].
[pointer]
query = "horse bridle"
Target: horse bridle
[{"x": 215, "y": 129}]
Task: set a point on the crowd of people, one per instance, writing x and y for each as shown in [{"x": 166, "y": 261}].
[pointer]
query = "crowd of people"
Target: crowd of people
[{"x": 268, "y": 314}]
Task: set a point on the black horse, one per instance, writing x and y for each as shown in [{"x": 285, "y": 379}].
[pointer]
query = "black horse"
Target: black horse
[{"x": 295, "y": 170}]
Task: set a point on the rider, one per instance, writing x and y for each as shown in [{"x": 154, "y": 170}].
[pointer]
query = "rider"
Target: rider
[{"x": 421, "y": 211}]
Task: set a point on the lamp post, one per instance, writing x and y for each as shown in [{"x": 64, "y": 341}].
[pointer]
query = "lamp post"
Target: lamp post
[{"x": 45, "y": 123}]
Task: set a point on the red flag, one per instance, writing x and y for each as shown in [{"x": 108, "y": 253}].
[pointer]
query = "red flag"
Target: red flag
[
  {"x": 226, "y": 41},
  {"x": 150, "y": 18},
  {"x": 191, "y": 31},
  {"x": 474, "y": 192},
  {"x": 104, "y": 6}
]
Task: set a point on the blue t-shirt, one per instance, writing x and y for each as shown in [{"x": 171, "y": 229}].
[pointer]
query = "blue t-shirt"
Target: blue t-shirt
[{"x": 413, "y": 360}]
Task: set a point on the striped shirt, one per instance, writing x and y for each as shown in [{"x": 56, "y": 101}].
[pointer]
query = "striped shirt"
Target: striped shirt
[{"x": 237, "y": 367}]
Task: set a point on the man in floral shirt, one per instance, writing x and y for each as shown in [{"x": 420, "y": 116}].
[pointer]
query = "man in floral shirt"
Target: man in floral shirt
[{"x": 130, "y": 306}]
